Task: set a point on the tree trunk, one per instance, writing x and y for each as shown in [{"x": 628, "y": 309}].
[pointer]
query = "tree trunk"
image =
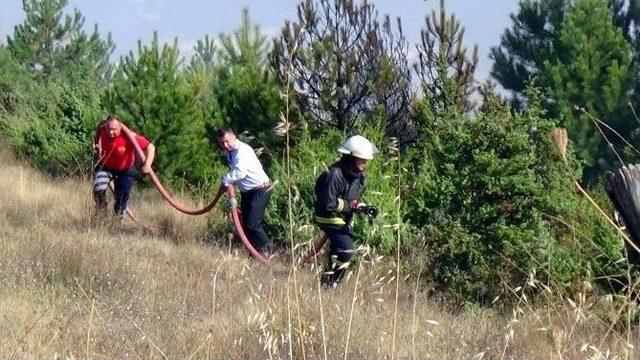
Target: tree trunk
[{"x": 623, "y": 188}]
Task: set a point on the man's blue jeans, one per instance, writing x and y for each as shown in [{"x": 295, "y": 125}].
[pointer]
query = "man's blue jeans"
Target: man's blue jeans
[{"x": 122, "y": 180}]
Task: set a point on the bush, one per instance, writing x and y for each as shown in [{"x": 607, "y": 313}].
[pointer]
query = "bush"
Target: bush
[
  {"x": 473, "y": 204},
  {"x": 487, "y": 190},
  {"x": 53, "y": 123}
]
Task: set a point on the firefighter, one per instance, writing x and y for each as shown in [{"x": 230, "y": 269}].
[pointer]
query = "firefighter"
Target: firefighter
[{"x": 337, "y": 198}]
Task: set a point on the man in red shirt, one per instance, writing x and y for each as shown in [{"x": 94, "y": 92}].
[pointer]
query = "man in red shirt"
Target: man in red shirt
[{"x": 117, "y": 162}]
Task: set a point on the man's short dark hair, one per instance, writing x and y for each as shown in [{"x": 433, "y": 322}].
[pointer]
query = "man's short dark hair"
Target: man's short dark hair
[
  {"x": 223, "y": 131},
  {"x": 111, "y": 118}
]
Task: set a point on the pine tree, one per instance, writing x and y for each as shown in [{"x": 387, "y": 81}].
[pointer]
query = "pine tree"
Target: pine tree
[
  {"x": 247, "y": 46},
  {"x": 205, "y": 52},
  {"x": 151, "y": 95},
  {"x": 48, "y": 41},
  {"x": 445, "y": 70},
  {"x": 527, "y": 44},
  {"x": 246, "y": 90},
  {"x": 593, "y": 70},
  {"x": 201, "y": 78},
  {"x": 533, "y": 39}
]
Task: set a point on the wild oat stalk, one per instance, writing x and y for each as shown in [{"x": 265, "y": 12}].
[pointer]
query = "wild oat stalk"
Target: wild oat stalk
[
  {"x": 89, "y": 327},
  {"x": 145, "y": 336},
  {"x": 319, "y": 288},
  {"x": 393, "y": 147},
  {"x": 204, "y": 342},
  {"x": 630, "y": 288},
  {"x": 283, "y": 129},
  {"x": 598, "y": 121},
  {"x": 289, "y": 331},
  {"x": 353, "y": 304},
  {"x": 414, "y": 323},
  {"x": 560, "y": 139},
  {"x": 633, "y": 111}
]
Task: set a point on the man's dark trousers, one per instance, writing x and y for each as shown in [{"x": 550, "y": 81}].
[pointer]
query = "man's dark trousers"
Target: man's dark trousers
[{"x": 253, "y": 205}]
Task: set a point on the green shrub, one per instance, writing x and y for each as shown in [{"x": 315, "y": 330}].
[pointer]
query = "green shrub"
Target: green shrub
[
  {"x": 487, "y": 190},
  {"x": 55, "y": 122}
]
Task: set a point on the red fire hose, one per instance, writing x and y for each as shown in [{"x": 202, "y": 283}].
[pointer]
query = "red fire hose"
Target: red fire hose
[
  {"x": 245, "y": 241},
  {"x": 167, "y": 196},
  {"x": 317, "y": 246}
]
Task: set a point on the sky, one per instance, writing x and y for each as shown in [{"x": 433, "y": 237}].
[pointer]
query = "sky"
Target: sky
[{"x": 190, "y": 20}]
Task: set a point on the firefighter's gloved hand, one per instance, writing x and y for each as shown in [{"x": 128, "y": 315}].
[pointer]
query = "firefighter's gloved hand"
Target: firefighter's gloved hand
[
  {"x": 365, "y": 209},
  {"x": 370, "y": 211}
]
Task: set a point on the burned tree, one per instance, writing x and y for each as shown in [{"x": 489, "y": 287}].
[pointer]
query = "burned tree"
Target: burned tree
[{"x": 344, "y": 65}]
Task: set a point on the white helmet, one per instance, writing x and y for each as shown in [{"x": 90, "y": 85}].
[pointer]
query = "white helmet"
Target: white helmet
[{"x": 358, "y": 146}]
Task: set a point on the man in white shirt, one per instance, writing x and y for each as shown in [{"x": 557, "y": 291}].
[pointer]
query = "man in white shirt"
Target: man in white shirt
[{"x": 249, "y": 177}]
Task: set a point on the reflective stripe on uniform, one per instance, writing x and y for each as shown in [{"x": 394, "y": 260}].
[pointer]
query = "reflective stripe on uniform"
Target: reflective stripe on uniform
[
  {"x": 340, "y": 205},
  {"x": 330, "y": 221}
]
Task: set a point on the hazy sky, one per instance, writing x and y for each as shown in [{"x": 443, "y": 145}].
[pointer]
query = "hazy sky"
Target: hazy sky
[{"x": 128, "y": 21}]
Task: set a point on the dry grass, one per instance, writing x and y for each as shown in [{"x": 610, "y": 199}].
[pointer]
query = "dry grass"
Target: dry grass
[{"x": 81, "y": 287}]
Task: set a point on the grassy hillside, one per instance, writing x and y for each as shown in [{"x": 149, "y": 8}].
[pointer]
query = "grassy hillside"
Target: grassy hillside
[{"x": 79, "y": 286}]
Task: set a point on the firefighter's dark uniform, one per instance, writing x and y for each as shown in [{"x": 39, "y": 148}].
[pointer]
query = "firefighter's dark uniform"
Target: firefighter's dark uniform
[{"x": 335, "y": 189}]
